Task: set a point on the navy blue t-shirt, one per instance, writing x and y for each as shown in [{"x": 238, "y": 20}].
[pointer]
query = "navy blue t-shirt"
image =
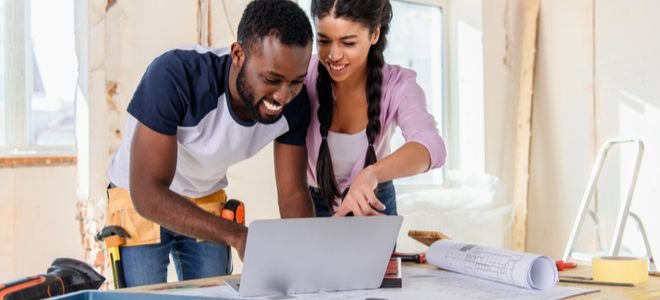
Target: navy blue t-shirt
[{"x": 185, "y": 93}]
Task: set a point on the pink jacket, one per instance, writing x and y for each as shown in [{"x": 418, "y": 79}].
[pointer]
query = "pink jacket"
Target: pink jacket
[{"x": 403, "y": 104}]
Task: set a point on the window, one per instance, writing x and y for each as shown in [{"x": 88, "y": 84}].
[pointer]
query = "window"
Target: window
[
  {"x": 420, "y": 25},
  {"x": 40, "y": 70},
  {"x": 417, "y": 41},
  {"x": 2, "y": 74}
]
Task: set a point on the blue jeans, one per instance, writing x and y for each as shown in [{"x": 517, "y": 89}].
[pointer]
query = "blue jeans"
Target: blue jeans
[
  {"x": 385, "y": 193},
  {"x": 147, "y": 264}
]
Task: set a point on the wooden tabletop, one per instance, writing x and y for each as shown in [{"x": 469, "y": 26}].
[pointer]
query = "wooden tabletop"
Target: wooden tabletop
[{"x": 648, "y": 290}]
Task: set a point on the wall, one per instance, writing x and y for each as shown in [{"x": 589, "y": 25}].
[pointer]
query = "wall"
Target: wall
[
  {"x": 7, "y": 225},
  {"x": 627, "y": 72},
  {"x": 40, "y": 203},
  {"x": 594, "y": 80},
  {"x": 561, "y": 151},
  {"x": 501, "y": 63}
]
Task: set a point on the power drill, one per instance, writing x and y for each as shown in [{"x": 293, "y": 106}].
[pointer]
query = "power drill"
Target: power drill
[{"x": 65, "y": 275}]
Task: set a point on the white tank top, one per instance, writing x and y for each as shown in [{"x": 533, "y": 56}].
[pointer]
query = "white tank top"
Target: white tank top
[{"x": 345, "y": 150}]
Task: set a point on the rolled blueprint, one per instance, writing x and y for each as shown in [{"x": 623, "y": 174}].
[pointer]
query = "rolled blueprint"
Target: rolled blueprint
[{"x": 522, "y": 269}]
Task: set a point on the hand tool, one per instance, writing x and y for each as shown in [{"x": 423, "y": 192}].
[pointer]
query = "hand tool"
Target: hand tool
[
  {"x": 562, "y": 265},
  {"x": 65, "y": 275},
  {"x": 427, "y": 237},
  {"x": 114, "y": 236},
  {"x": 582, "y": 281},
  {"x": 234, "y": 210},
  {"x": 419, "y": 258}
]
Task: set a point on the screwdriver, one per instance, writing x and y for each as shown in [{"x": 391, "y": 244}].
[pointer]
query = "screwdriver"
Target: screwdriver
[{"x": 419, "y": 258}]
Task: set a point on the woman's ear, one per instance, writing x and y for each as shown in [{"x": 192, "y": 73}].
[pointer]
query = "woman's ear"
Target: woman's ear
[
  {"x": 375, "y": 36},
  {"x": 237, "y": 55}
]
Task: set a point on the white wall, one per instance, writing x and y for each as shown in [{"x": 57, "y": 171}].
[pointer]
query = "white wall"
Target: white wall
[
  {"x": 7, "y": 224},
  {"x": 562, "y": 119},
  {"x": 501, "y": 31},
  {"x": 562, "y": 111},
  {"x": 596, "y": 77},
  {"x": 40, "y": 203},
  {"x": 627, "y": 73}
]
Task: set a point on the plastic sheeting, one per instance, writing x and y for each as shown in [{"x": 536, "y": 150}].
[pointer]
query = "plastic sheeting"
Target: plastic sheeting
[{"x": 467, "y": 208}]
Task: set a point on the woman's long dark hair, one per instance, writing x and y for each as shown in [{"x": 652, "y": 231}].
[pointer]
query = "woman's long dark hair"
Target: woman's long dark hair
[{"x": 373, "y": 14}]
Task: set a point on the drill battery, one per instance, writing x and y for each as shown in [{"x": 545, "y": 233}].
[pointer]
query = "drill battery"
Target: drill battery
[{"x": 65, "y": 275}]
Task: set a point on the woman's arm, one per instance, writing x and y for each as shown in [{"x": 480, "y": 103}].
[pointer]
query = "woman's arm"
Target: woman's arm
[{"x": 423, "y": 150}]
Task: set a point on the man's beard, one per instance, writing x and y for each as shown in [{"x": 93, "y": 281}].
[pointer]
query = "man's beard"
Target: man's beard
[{"x": 245, "y": 93}]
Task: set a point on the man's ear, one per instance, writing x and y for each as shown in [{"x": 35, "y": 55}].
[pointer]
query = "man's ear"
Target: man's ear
[
  {"x": 375, "y": 35},
  {"x": 237, "y": 55}
]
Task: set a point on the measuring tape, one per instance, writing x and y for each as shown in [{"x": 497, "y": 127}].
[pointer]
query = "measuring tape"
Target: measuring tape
[{"x": 234, "y": 210}]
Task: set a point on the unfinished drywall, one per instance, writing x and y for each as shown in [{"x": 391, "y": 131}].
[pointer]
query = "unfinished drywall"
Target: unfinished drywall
[
  {"x": 561, "y": 108},
  {"x": 562, "y": 135},
  {"x": 501, "y": 27},
  {"x": 7, "y": 225},
  {"x": 40, "y": 204},
  {"x": 627, "y": 72},
  {"x": 595, "y": 79}
]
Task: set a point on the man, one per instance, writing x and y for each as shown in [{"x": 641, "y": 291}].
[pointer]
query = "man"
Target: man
[{"x": 194, "y": 114}]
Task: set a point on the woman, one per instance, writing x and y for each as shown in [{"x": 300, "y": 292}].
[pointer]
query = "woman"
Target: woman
[{"x": 357, "y": 101}]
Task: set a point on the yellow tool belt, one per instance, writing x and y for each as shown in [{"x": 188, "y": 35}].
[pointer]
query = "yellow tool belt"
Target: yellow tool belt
[{"x": 121, "y": 212}]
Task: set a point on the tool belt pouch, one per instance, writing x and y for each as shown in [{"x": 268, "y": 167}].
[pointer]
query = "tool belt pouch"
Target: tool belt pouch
[
  {"x": 142, "y": 231},
  {"x": 121, "y": 212},
  {"x": 212, "y": 203}
]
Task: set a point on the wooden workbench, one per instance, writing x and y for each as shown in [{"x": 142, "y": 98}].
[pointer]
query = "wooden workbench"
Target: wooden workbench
[{"x": 648, "y": 290}]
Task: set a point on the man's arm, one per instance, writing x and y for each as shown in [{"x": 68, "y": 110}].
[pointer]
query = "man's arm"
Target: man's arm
[
  {"x": 290, "y": 175},
  {"x": 153, "y": 164}
]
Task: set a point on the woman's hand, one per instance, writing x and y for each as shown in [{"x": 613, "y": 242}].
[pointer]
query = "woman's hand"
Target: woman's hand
[{"x": 361, "y": 199}]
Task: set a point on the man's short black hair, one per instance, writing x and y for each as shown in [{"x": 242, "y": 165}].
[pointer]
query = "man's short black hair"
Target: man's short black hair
[{"x": 282, "y": 19}]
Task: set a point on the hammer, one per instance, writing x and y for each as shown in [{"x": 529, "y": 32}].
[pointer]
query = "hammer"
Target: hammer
[{"x": 114, "y": 236}]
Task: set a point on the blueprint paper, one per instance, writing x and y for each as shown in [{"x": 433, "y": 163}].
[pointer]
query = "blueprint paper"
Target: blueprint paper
[
  {"x": 419, "y": 284},
  {"x": 517, "y": 268},
  {"x": 423, "y": 284}
]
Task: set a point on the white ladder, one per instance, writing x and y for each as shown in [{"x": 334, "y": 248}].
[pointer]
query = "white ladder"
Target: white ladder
[{"x": 624, "y": 210}]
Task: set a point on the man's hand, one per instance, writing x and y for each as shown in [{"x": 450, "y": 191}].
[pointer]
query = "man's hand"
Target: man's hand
[
  {"x": 239, "y": 241},
  {"x": 361, "y": 199}
]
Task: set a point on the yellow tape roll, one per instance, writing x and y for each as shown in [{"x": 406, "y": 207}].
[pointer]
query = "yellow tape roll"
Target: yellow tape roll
[{"x": 620, "y": 269}]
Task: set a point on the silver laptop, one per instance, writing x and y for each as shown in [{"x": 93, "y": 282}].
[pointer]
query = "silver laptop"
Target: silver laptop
[{"x": 294, "y": 256}]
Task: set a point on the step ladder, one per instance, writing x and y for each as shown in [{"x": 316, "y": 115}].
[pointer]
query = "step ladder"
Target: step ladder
[{"x": 623, "y": 213}]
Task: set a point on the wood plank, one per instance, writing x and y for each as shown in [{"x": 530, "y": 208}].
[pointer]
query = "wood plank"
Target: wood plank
[{"x": 524, "y": 124}]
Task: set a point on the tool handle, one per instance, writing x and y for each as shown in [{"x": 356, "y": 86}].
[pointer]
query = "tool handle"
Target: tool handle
[
  {"x": 419, "y": 258},
  {"x": 234, "y": 210},
  {"x": 33, "y": 287}
]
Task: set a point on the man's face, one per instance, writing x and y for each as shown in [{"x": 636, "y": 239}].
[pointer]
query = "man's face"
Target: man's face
[{"x": 271, "y": 77}]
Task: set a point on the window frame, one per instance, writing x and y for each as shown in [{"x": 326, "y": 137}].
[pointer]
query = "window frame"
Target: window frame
[
  {"x": 18, "y": 86},
  {"x": 446, "y": 106}
]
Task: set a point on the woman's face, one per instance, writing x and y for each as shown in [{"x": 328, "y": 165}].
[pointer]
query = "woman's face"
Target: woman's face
[{"x": 343, "y": 46}]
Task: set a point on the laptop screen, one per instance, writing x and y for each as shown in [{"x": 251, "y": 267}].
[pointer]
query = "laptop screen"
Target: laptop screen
[{"x": 309, "y": 255}]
